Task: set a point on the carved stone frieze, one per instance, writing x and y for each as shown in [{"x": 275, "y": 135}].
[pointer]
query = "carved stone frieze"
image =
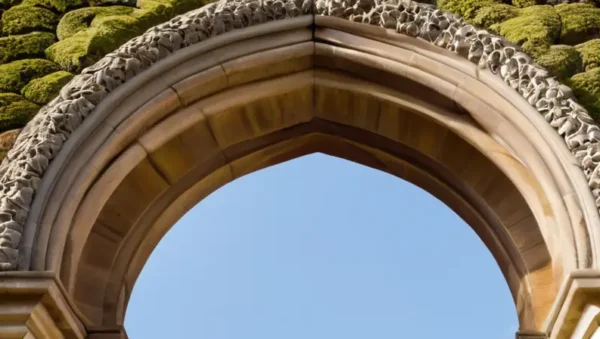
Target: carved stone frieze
[{"x": 41, "y": 140}]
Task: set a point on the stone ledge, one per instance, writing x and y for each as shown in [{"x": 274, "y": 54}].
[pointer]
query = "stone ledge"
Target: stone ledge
[
  {"x": 33, "y": 304},
  {"x": 580, "y": 290}
]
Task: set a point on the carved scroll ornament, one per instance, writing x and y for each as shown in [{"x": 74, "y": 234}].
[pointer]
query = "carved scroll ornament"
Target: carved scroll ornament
[{"x": 41, "y": 140}]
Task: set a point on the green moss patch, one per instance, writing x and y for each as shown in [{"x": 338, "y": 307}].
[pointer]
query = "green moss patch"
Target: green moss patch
[
  {"x": 44, "y": 89},
  {"x": 15, "y": 111},
  {"x": 15, "y": 75},
  {"x": 31, "y": 45},
  {"x": 24, "y": 19},
  {"x": 81, "y": 19},
  {"x": 526, "y": 3},
  {"x": 586, "y": 87},
  {"x": 562, "y": 61},
  {"x": 466, "y": 8},
  {"x": 590, "y": 54},
  {"x": 57, "y": 5},
  {"x": 580, "y": 22},
  {"x": 535, "y": 29},
  {"x": 494, "y": 14},
  {"x": 87, "y": 35}
]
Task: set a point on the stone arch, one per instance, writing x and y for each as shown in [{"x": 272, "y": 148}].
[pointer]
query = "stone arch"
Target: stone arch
[{"x": 145, "y": 134}]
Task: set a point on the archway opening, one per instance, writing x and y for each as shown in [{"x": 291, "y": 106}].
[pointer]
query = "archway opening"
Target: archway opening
[{"x": 321, "y": 247}]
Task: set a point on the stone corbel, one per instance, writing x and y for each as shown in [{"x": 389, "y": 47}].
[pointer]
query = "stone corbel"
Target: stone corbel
[
  {"x": 576, "y": 312},
  {"x": 33, "y": 306}
]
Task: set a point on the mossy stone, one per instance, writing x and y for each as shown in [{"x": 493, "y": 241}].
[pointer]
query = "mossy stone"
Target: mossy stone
[
  {"x": 535, "y": 29},
  {"x": 526, "y": 3},
  {"x": 57, "y": 5},
  {"x": 465, "y": 8},
  {"x": 44, "y": 89},
  {"x": 25, "y": 46},
  {"x": 15, "y": 111},
  {"x": 25, "y": 19},
  {"x": 494, "y": 14},
  {"x": 15, "y": 75},
  {"x": 562, "y": 61},
  {"x": 586, "y": 87},
  {"x": 7, "y": 140},
  {"x": 80, "y": 47},
  {"x": 81, "y": 19},
  {"x": 580, "y": 22},
  {"x": 590, "y": 53}
]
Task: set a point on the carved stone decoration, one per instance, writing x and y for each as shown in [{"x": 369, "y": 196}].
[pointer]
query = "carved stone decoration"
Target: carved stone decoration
[{"x": 41, "y": 140}]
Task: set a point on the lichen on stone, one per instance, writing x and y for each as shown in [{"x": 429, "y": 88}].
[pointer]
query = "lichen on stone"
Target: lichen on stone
[
  {"x": 535, "y": 29},
  {"x": 562, "y": 61},
  {"x": 44, "y": 89},
  {"x": 586, "y": 87},
  {"x": 25, "y": 46},
  {"x": 494, "y": 14},
  {"x": 590, "y": 54},
  {"x": 15, "y": 111},
  {"x": 580, "y": 22},
  {"x": 25, "y": 19},
  {"x": 15, "y": 75}
]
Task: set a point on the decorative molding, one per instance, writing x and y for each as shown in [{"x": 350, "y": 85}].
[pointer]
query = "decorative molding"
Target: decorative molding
[
  {"x": 530, "y": 335},
  {"x": 41, "y": 140}
]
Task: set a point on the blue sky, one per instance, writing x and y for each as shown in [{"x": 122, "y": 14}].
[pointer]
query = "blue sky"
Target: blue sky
[{"x": 321, "y": 248}]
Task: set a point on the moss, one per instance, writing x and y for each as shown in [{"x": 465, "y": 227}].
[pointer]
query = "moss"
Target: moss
[
  {"x": 590, "y": 53},
  {"x": 526, "y": 3},
  {"x": 24, "y": 19},
  {"x": 8, "y": 3},
  {"x": 15, "y": 111},
  {"x": 15, "y": 75},
  {"x": 562, "y": 61},
  {"x": 494, "y": 14},
  {"x": 535, "y": 29},
  {"x": 81, "y": 19},
  {"x": 31, "y": 45},
  {"x": 586, "y": 87},
  {"x": 465, "y": 8},
  {"x": 81, "y": 46},
  {"x": 580, "y": 22},
  {"x": 7, "y": 140},
  {"x": 57, "y": 5},
  {"x": 44, "y": 89}
]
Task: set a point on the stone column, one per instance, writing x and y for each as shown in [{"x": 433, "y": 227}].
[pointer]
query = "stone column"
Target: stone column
[{"x": 33, "y": 306}]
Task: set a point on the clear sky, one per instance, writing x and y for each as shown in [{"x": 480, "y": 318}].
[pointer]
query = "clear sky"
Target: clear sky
[{"x": 321, "y": 248}]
